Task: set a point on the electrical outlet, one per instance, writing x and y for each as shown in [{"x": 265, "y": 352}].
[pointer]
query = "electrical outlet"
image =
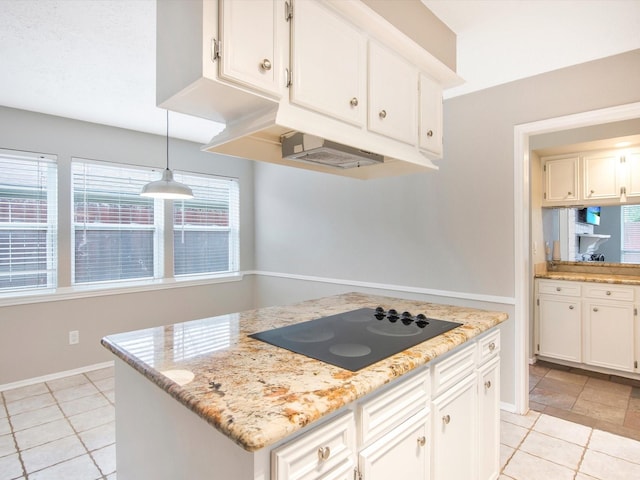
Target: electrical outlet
[{"x": 74, "y": 337}]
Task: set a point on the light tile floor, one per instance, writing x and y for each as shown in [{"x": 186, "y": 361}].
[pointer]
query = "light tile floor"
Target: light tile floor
[{"x": 65, "y": 430}]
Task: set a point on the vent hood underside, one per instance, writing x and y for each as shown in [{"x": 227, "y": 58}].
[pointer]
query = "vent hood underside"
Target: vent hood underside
[{"x": 258, "y": 137}]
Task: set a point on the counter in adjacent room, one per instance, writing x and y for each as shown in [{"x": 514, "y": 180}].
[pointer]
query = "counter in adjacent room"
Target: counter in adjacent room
[{"x": 254, "y": 393}]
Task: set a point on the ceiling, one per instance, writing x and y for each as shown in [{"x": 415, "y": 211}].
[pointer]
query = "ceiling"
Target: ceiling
[{"x": 95, "y": 60}]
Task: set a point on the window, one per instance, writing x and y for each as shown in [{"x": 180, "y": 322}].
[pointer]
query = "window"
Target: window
[
  {"x": 28, "y": 211},
  {"x": 205, "y": 228},
  {"x": 630, "y": 249},
  {"x": 115, "y": 230}
]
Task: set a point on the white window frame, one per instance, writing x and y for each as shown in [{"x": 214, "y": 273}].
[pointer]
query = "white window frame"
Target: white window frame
[{"x": 624, "y": 251}]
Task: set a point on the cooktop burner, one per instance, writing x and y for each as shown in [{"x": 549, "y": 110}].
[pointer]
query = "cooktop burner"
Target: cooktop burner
[{"x": 358, "y": 338}]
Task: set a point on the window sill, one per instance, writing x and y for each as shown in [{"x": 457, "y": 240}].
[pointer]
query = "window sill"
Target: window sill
[{"x": 115, "y": 288}]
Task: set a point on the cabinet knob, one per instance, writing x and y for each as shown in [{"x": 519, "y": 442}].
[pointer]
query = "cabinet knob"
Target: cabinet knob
[
  {"x": 595, "y": 309},
  {"x": 266, "y": 64},
  {"x": 429, "y": 133},
  {"x": 324, "y": 453},
  {"x": 558, "y": 289},
  {"x": 592, "y": 192},
  {"x": 422, "y": 441},
  {"x": 571, "y": 307},
  {"x": 446, "y": 419},
  {"x": 492, "y": 346},
  {"x": 608, "y": 292},
  {"x": 383, "y": 114},
  {"x": 354, "y": 102},
  {"x": 569, "y": 194},
  {"x": 487, "y": 384}
]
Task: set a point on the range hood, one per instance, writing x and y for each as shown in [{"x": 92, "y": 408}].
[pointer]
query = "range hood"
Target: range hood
[{"x": 286, "y": 134}]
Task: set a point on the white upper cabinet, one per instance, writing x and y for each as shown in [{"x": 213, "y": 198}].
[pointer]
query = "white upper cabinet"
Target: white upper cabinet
[
  {"x": 251, "y": 44},
  {"x": 430, "y": 128},
  {"x": 561, "y": 181},
  {"x": 328, "y": 63},
  {"x": 632, "y": 164},
  {"x": 393, "y": 95},
  {"x": 601, "y": 179}
]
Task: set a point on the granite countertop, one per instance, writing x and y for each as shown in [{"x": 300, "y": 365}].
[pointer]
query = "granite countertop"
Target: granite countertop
[
  {"x": 257, "y": 394},
  {"x": 591, "y": 277}
]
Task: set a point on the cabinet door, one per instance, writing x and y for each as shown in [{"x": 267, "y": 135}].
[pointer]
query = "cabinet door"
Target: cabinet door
[
  {"x": 559, "y": 328},
  {"x": 489, "y": 420},
  {"x": 253, "y": 38},
  {"x": 455, "y": 432},
  {"x": 561, "y": 180},
  {"x": 632, "y": 163},
  {"x": 328, "y": 61},
  {"x": 601, "y": 176},
  {"x": 609, "y": 335},
  {"x": 393, "y": 95},
  {"x": 430, "y": 134},
  {"x": 403, "y": 452}
]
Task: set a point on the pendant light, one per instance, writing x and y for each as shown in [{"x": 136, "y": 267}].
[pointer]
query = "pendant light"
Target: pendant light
[{"x": 167, "y": 187}]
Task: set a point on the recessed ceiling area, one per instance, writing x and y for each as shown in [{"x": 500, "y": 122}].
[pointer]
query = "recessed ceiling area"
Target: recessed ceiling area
[{"x": 95, "y": 60}]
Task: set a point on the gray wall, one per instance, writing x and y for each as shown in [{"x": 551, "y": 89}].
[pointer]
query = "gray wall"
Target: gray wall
[
  {"x": 34, "y": 337},
  {"x": 450, "y": 230},
  {"x": 610, "y": 225}
]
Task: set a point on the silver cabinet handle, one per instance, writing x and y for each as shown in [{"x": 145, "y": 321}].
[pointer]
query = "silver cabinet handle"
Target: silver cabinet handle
[
  {"x": 592, "y": 192},
  {"x": 324, "y": 453},
  {"x": 595, "y": 309},
  {"x": 383, "y": 114},
  {"x": 446, "y": 419},
  {"x": 571, "y": 307},
  {"x": 266, "y": 64},
  {"x": 354, "y": 102},
  {"x": 422, "y": 441},
  {"x": 492, "y": 346},
  {"x": 569, "y": 193},
  {"x": 487, "y": 384},
  {"x": 558, "y": 289},
  {"x": 429, "y": 133},
  {"x": 608, "y": 292}
]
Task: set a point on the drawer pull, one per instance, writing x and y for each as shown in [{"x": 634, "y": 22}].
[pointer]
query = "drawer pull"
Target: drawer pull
[
  {"x": 446, "y": 419},
  {"x": 571, "y": 307},
  {"x": 354, "y": 102},
  {"x": 492, "y": 346},
  {"x": 608, "y": 292},
  {"x": 487, "y": 384},
  {"x": 595, "y": 309},
  {"x": 383, "y": 114},
  {"x": 422, "y": 441},
  {"x": 558, "y": 289},
  {"x": 324, "y": 453},
  {"x": 265, "y": 65},
  {"x": 429, "y": 133}
]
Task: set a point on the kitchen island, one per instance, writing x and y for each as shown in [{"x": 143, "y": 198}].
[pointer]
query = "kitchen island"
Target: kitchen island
[{"x": 227, "y": 403}]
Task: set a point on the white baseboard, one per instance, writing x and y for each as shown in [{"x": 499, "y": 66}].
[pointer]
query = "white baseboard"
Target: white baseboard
[
  {"x": 54, "y": 376},
  {"x": 508, "y": 407}
]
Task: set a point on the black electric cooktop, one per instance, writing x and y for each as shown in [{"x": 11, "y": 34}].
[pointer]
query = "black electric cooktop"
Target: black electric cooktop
[{"x": 358, "y": 338}]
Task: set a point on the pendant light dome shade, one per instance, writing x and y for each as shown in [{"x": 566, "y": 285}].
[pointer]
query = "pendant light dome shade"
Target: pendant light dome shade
[{"x": 167, "y": 187}]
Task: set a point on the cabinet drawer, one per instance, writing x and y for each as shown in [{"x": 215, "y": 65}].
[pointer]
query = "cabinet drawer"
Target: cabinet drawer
[
  {"x": 609, "y": 292},
  {"x": 559, "y": 288},
  {"x": 318, "y": 453},
  {"x": 391, "y": 407},
  {"x": 488, "y": 346},
  {"x": 449, "y": 371}
]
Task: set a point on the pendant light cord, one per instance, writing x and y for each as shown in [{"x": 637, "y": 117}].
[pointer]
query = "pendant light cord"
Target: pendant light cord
[{"x": 167, "y": 139}]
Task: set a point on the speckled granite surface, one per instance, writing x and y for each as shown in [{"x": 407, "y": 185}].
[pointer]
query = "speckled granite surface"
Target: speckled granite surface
[
  {"x": 624, "y": 274},
  {"x": 256, "y": 393}
]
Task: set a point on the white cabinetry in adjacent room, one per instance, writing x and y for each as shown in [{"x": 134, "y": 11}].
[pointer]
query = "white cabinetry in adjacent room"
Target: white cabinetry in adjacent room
[
  {"x": 328, "y": 63},
  {"x": 430, "y": 124},
  {"x": 251, "y": 44},
  {"x": 590, "y": 323},
  {"x": 601, "y": 179},
  {"x": 609, "y": 326},
  {"x": 489, "y": 407},
  {"x": 559, "y": 329},
  {"x": 393, "y": 95},
  {"x": 561, "y": 180}
]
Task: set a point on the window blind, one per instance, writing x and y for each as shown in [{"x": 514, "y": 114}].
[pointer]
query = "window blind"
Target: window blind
[
  {"x": 28, "y": 219},
  {"x": 630, "y": 251},
  {"x": 115, "y": 236},
  {"x": 206, "y": 228}
]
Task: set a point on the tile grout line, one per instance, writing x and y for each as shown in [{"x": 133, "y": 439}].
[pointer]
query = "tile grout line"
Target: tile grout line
[
  {"x": 584, "y": 452},
  {"x": 13, "y": 436},
  {"x": 517, "y": 449}
]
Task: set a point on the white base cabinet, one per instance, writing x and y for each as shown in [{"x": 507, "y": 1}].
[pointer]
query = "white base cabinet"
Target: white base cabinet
[{"x": 588, "y": 323}]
